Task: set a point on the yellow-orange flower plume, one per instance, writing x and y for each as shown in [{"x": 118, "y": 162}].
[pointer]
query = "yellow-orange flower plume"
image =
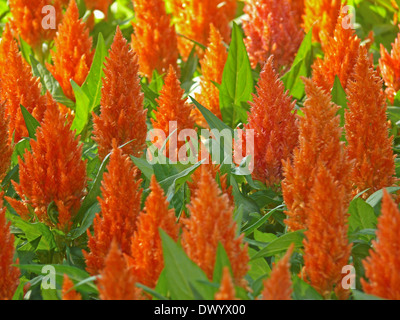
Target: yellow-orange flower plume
[
  {"x": 319, "y": 140},
  {"x": 271, "y": 30},
  {"x": 53, "y": 172},
  {"x": 122, "y": 114},
  {"x": 120, "y": 207},
  {"x": 279, "y": 285},
  {"x": 73, "y": 52},
  {"x": 68, "y": 292},
  {"x": 381, "y": 267},
  {"x": 9, "y": 275},
  {"x": 297, "y": 7},
  {"x": 367, "y": 130},
  {"x": 155, "y": 39},
  {"x": 212, "y": 67},
  {"x": 211, "y": 222},
  {"x": 227, "y": 289},
  {"x": 147, "y": 260},
  {"x": 273, "y": 120},
  {"x": 5, "y": 147}
]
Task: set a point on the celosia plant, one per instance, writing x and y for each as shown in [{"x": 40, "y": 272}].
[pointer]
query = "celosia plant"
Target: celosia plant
[
  {"x": 68, "y": 291},
  {"x": 227, "y": 289}
]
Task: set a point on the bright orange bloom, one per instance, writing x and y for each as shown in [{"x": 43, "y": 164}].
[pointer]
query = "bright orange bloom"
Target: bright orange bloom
[
  {"x": 382, "y": 266},
  {"x": 117, "y": 281},
  {"x": 5, "y": 147},
  {"x": 120, "y": 207},
  {"x": 212, "y": 66},
  {"x": 297, "y": 7},
  {"x": 367, "y": 130},
  {"x": 279, "y": 285},
  {"x": 68, "y": 292},
  {"x": 341, "y": 52},
  {"x": 211, "y": 222},
  {"x": 9, "y": 275},
  {"x": 122, "y": 115},
  {"x": 27, "y": 20},
  {"x": 326, "y": 247},
  {"x": 390, "y": 68},
  {"x": 53, "y": 172},
  {"x": 5, "y": 46},
  {"x": 193, "y": 20},
  {"x": 155, "y": 38},
  {"x": 172, "y": 107},
  {"x": 227, "y": 289},
  {"x": 271, "y": 30},
  {"x": 273, "y": 120},
  {"x": 146, "y": 250},
  {"x": 319, "y": 140},
  {"x": 73, "y": 52},
  {"x": 18, "y": 86},
  {"x": 101, "y": 5},
  {"x": 322, "y": 16}
]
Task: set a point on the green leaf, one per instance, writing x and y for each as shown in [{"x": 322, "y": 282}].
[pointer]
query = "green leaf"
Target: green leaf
[
  {"x": 339, "y": 98},
  {"x": 82, "y": 108},
  {"x": 221, "y": 262},
  {"x": 30, "y": 122},
  {"x": 303, "y": 291},
  {"x": 259, "y": 268},
  {"x": 237, "y": 81},
  {"x": 188, "y": 70},
  {"x": 261, "y": 221},
  {"x": 362, "y": 216},
  {"x": 182, "y": 274},
  {"x": 375, "y": 199},
  {"x": 359, "y": 295}
]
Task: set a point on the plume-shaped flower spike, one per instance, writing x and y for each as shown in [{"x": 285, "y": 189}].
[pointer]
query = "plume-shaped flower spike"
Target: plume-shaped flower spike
[
  {"x": 227, "y": 289},
  {"x": 68, "y": 292},
  {"x": 5, "y": 147},
  {"x": 122, "y": 114}
]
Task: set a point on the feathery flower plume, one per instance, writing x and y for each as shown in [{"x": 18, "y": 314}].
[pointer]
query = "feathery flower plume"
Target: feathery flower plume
[
  {"x": 53, "y": 172},
  {"x": 227, "y": 289},
  {"x": 279, "y": 285},
  {"x": 193, "y": 20},
  {"x": 271, "y": 30},
  {"x": 390, "y": 68},
  {"x": 319, "y": 140},
  {"x": 5, "y": 47},
  {"x": 117, "y": 281},
  {"x": 297, "y": 7},
  {"x": 211, "y": 222},
  {"x": 5, "y": 147},
  {"x": 326, "y": 247},
  {"x": 101, "y": 5},
  {"x": 172, "y": 107},
  {"x": 122, "y": 114},
  {"x": 9, "y": 275},
  {"x": 367, "y": 130},
  {"x": 120, "y": 207},
  {"x": 155, "y": 38},
  {"x": 382, "y": 266},
  {"x": 19, "y": 87},
  {"x": 341, "y": 52},
  {"x": 73, "y": 52},
  {"x": 147, "y": 259},
  {"x": 274, "y": 124},
  {"x": 27, "y": 19},
  {"x": 212, "y": 66},
  {"x": 68, "y": 292},
  {"x": 322, "y": 16}
]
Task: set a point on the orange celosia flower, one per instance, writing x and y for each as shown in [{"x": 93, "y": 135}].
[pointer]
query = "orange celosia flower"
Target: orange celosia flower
[
  {"x": 193, "y": 20},
  {"x": 73, "y": 52},
  {"x": 297, "y": 7},
  {"x": 274, "y": 124},
  {"x": 101, "y": 5},
  {"x": 367, "y": 130},
  {"x": 382, "y": 266},
  {"x": 120, "y": 207},
  {"x": 211, "y": 222},
  {"x": 271, "y": 30},
  {"x": 68, "y": 292},
  {"x": 326, "y": 247},
  {"x": 9, "y": 275},
  {"x": 155, "y": 38},
  {"x": 227, "y": 289},
  {"x": 122, "y": 115},
  {"x": 172, "y": 107},
  {"x": 5, "y": 147},
  {"x": 117, "y": 281},
  {"x": 27, "y": 20},
  {"x": 53, "y": 172},
  {"x": 147, "y": 257},
  {"x": 321, "y": 15},
  {"x": 212, "y": 66},
  {"x": 279, "y": 284},
  {"x": 341, "y": 52},
  {"x": 319, "y": 140},
  {"x": 19, "y": 87},
  {"x": 390, "y": 68},
  {"x": 5, "y": 47}
]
